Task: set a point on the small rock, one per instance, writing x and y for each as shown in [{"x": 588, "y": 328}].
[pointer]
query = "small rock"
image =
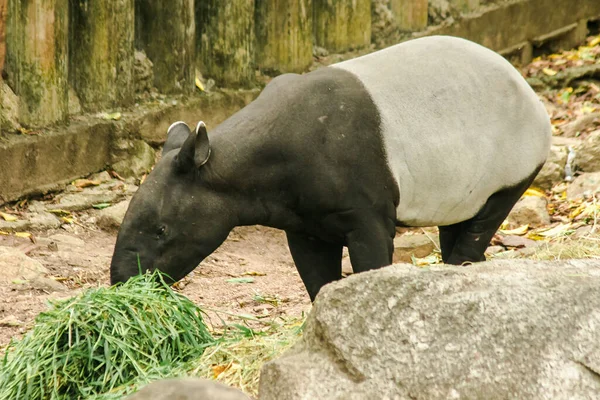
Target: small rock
[
  {"x": 47, "y": 284},
  {"x": 30, "y": 221},
  {"x": 187, "y": 389},
  {"x": 494, "y": 250},
  {"x": 584, "y": 185},
  {"x": 406, "y": 246},
  {"x": 139, "y": 159},
  {"x": 16, "y": 265},
  {"x": 143, "y": 73},
  {"x": 102, "y": 177},
  {"x": 320, "y": 52},
  {"x": 66, "y": 242},
  {"x": 587, "y": 154},
  {"x": 347, "y": 266},
  {"x": 110, "y": 218},
  {"x": 530, "y": 211},
  {"x": 85, "y": 199},
  {"x": 553, "y": 170},
  {"x": 11, "y": 320},
  {"x": 74, "y": 102},
  {"x": 584, "y": 121},
  {"x": 517, "y": 241}
]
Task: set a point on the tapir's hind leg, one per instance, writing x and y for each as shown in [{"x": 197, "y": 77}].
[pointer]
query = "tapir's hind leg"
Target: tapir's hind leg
[
  {"x": 318, "y": 262},
  {"x": 471, "y": 238}
]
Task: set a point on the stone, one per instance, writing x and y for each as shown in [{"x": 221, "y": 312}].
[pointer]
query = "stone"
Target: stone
[
  {"x": 587, "y": 184},
  {"x": 143, "y": 73},
  {"x": 101, "y": 177},
  {"x": 74, "y": 102},
  {"x": 15, "y": 265},
  {"x": 141, "y": 159},
  {"x": 187, "y": 389},
  {"x": 407, "y": 246},
  {"x": 111, "y": 217},
  {"x": 553, "y": 170},
  {"x": 517, "y": 241},
  {"x": 47, "y": 284},
  {"x": 491, "y": 250},
  {"x": 517, "y": 329},
  {"x": 9, "y": 109},
  {"x": 66, "y": 242},
  {"x": 85, "y": 199},
  {"x": 587, "y": 154},
  {"x": 31, "y": 222},
  {"x": 530, "y": 210}
]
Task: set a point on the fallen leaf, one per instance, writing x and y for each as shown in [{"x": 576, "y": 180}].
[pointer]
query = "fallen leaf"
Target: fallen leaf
[
  {"x": 558, "y": 230},
  {"x": 219, "y": 369},
  {"x": 23, "y": 234},
  {"x": 534, "y": 192},
  {"x": 67, "y": 220},
  {"x": 425, "y": 261},
  {"x": 588, "y": 109},
  {"x": 595, "y": 41},
  {"x": 549, "y": 71},
  {"x": 8, "y": 217},
  {"x": 19, "y": 281},
  {"x": 114, "y": 116},
  {"x": 4, "y": 233},
  {"x": 517, "y": 231},
  {"x": 240, "y": 280},
  {"x": 199, "y": 84},
  {"x": 81, "y": 183},
  {"x": 253, "y": 273},
  {"x": 101, "y": 206},
  {"x": 59, "y": 212}
]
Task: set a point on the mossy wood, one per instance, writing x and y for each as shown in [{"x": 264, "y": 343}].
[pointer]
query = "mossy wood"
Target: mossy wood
[
  {"x": 341, "y": 25},
  {"x": 101, "y": 52},
  {"x": 411, "y": 15},
  {"x": 284, "y": 35},
  {"x": 36, "y": 59},
  {"x": 225, "y": 41},
  {"x": 166, "y": 31}
]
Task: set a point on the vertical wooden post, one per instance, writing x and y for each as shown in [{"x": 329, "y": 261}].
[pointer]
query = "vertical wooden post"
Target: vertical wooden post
[
  {"x": 101, "y": 52},
  {"x": 411, "y": 15},
  {"x": 341, "y": 25},
  {"x": 284, "y": 35},
  {"x": 36, "y": 59},
  {"x": 225, "y": 41},
  {"x": 167, "y": 32}
]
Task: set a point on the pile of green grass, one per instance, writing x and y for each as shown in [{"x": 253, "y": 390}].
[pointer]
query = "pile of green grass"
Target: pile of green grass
[{"x": 103, "y": 340}]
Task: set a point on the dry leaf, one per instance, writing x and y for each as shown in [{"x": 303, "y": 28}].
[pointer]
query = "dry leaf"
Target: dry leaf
[
  {"x": 253, "y": 273},
  {"x": 534, "y": 192},
  {"x": 8, "y": 217},
  {"x": 558, "y": 230},
  {"x": 59, "y": 212},
  {"x": 23, "y": 234},
  {"x": 67, "y": 220},
  {"x": 595, "y": 41},
  {"x": 199, "y": 84},
  {"x": 81, "y": 183},
  {"x": 4, "y": 233},
  {"x": 549, "y": 71},
  {"x": 219, "y": 369},
  {"x": 517, "y": 231}
]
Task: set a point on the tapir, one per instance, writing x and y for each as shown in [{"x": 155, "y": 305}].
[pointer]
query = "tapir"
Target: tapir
[{"x": 436, "y": 131}]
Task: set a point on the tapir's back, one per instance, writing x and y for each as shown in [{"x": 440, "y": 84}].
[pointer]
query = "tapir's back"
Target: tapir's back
[{"x": 458, "y": 121}]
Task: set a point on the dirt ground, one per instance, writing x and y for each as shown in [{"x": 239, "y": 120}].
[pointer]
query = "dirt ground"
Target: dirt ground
[{"x": 79, "y": 257}]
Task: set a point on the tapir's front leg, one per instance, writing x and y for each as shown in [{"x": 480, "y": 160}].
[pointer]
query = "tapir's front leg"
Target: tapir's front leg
[
  {"x": 318, "y": 262},
  {"x": 371, "y": 241}
]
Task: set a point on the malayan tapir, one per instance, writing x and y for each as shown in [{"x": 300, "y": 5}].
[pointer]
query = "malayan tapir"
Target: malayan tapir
[{"x": 433, "y": 131}]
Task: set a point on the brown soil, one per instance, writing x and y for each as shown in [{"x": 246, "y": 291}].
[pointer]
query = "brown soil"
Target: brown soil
[{"x": 79, "y": 257}]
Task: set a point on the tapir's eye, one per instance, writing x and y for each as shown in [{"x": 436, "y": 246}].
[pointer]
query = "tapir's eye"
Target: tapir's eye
[{"x": 161, "y": 231}]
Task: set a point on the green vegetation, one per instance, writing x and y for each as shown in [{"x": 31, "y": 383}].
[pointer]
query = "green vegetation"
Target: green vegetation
[{"x": 107, "y": 342}]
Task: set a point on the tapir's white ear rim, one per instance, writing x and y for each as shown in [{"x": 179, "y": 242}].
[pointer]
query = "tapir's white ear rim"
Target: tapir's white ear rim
[
  {"x": 174, "y": 124},
  {"x": 202, "y": 150}
]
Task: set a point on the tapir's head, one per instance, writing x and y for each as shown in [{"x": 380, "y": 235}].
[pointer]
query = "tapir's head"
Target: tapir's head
[{"x": 175, "y": 219}]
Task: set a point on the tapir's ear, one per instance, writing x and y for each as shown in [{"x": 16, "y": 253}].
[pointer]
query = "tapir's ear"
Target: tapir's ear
[
  {"x": 195, "y": 150},
  {"x": 177, "y": 133}
]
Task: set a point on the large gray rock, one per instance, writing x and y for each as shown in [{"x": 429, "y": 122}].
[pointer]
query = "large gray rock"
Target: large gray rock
[
  {"x": 110, "y": 218},
  {"x": 553, "y": 170},
  {"x": 530, "y": 211},
  {"x": 587, "y": 157},
  {"x": 504, "y": 329},
  {"x": 187, "y": 389},
  {"x": 587, "y": 184}
]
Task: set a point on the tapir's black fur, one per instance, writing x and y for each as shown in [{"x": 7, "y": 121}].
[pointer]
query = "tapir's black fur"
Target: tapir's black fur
[{"x": 307, "y": 156}]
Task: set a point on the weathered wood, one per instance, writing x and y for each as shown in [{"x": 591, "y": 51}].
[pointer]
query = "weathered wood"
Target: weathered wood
[
  {"x": 36, "y": 59},
  {"x": 225, "y": 41},
  {"x": 101, "y": 52},
  {"x": 411, "y": 15},
  {"x": 166, "y": 32},
  {"x": 283, "y": 35},
  {"x": 341, "y": 25},
  {"x": 3, "y": 4}
]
